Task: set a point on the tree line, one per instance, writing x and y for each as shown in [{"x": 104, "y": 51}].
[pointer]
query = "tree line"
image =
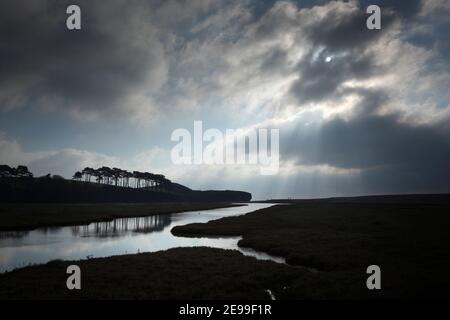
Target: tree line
[
  {"x": 105, "y": 175},
  {"x": 11, "y": 172},
  {"x": 122, "y": 178}
]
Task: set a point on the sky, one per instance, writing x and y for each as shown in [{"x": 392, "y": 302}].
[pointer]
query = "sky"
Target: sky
[{"x": 359, "y": 111}]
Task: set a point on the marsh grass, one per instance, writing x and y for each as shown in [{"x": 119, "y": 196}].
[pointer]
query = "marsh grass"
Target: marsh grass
[
  {"x": 181, "y": 273},
  {"x": 410, "y": 242}
]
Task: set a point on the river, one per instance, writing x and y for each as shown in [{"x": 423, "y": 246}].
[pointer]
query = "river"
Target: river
[{"x": 117, "y": 237}]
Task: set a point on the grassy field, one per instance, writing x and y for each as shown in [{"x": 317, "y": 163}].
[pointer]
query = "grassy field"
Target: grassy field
[
  {"x": 410, "y": 242},
  {"x": 31, "y": 216},
  {"x": 188, "y": 273}
]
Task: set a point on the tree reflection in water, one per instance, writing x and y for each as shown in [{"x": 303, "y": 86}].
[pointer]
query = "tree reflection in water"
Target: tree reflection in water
[
  {"x": 114, "y": 228},
  {"x": 122, "y": 226},
  {"x": 13, "y": 234}
]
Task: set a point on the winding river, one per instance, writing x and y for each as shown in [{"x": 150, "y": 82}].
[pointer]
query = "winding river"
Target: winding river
[{"x": 116, "y": 237}]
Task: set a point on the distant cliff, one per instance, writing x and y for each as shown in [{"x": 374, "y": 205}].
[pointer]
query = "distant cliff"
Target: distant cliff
[{"x": 28, "y": 189}]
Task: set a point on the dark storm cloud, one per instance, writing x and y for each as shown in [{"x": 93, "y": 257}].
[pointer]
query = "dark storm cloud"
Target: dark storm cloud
[
  {"x": 404, "y": 9},
  {"x": 406, "y": 178},
  {"x": 94, "y": 69},
  {"x": 389, "y": 153},
  {"x": 382, "y": 141},
  {"x": 320, "y": 79},
  {"x": 340, "y": 29},
  {"x": 431, "y": 32}
]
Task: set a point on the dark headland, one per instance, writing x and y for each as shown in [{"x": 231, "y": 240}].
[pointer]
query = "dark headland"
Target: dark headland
[{"x": 58, "y": 190}]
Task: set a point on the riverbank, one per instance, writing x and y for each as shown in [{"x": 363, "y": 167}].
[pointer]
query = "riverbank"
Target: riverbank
[
  {"x": 20, "y": 217},
  {"x": 410, "y": 242},
  {"x": 180, "y": 273}
]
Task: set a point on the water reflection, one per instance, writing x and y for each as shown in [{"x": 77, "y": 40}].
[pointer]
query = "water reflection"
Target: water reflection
[
  {"x": 13, "y": 234},
  {"x": 120, "y": 236},
  {"x": 114, "y": 228},
  {"x": 123, "y": 226}
]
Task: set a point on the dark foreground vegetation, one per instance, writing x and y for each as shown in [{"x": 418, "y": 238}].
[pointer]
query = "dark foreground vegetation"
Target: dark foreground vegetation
[
  {"x": 335, "y": 241},
  {"x": 188, "y": 273},
  {"x": 15, "y": 216},
  {"x": 409, "y": 241}
]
